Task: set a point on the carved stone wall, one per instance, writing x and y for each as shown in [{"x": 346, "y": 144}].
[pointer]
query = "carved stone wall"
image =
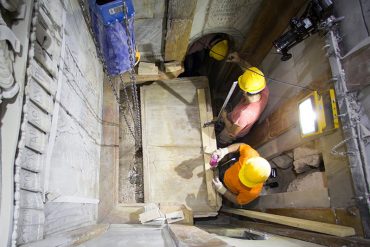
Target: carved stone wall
[
  {"x": 57, "y": 166},
  {"x": 233, "y": 17}
]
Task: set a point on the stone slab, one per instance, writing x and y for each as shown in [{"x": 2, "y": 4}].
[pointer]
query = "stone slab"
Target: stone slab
[{"x": 172, "y": 147}]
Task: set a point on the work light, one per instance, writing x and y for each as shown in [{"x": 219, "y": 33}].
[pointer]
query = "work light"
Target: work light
[{"x": 311, "y": 115}]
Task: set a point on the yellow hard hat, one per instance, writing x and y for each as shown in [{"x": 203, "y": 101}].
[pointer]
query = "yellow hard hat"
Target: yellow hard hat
[
  {"x": 252, "y": 80},
  {"x": 137, "y": 57},
  {"x": 219, "y": 50},
  {"x": 255, "y": 170}
]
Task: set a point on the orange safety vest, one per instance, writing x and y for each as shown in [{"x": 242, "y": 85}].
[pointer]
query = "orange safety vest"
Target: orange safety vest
[{"x": 231, "y": 179}]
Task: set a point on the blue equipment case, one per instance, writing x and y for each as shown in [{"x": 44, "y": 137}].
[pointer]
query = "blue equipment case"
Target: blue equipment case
[{"x": 109, "y": 29}]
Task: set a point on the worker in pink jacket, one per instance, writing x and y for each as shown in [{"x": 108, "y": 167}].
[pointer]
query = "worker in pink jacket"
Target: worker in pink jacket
[{"x": 240, "y": 120}]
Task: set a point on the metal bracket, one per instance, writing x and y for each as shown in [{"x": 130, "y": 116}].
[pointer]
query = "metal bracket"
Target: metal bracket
[{"x": 334, "y": 150}]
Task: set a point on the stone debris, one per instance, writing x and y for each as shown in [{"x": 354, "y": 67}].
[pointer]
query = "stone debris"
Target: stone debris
[
  {"x": 131, "y": 184},
  {"x": 305, "y": 159},
  {"x": 307, "y": 182},
  {"x": 147, "y": 69},
  {"x": 302, "y": 152},
  {"x": 172, "y": 66}
]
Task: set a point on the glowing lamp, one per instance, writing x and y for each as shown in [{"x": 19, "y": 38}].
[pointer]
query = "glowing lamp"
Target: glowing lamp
[{"x": 311, "y": 115}]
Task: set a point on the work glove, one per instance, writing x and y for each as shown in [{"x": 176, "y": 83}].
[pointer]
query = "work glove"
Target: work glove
[
  {"x": 219, "y": 186},
  {"x": 221, "y": 152}
]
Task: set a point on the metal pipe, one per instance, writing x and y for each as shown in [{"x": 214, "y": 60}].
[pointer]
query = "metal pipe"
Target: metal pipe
[{"x": 227, "y": 98}]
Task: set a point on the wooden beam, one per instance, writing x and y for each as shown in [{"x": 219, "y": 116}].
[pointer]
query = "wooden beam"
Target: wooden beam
[
  {"x": 177, "y": 39},
  {"x": 208, "y": 145},
  {"x": 145, "y": 78},
  {"x": 179, "y": 23},
  {"x": 336, "y": 230},
  {"x": 327, "y": 215}
]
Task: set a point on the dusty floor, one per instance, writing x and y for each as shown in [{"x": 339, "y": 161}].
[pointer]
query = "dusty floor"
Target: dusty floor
[{"x": 131, "y": 188}]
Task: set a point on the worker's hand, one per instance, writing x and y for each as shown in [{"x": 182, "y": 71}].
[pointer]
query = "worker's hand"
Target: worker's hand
[
  {"x": 233, "y": 57},
  {"x": 221, "y": 152},
  {"x": 224, "y": 115},
  {"x": 219, "y": 186}
]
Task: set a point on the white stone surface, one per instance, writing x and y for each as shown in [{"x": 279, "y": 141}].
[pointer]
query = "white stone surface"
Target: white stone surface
[
  {"x": 315, "y": 180},
  {"x": 126, "y": 235},
  {"x": 75, "y": 157},
  {"x": 233, "y": 17}
]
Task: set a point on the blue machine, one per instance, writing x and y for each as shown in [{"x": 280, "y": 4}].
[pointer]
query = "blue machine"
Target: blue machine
[{"x": 108, "y": 25}]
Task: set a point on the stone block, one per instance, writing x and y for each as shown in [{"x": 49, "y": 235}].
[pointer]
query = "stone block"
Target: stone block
[
  {"x": 304, "y": 164},
  {"x": 147, "y": 69},
  {"x": 315, "y": 180},
  {"x": 302, "y": 152}
]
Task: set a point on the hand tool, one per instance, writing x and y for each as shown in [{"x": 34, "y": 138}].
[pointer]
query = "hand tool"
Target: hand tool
[{"x": 223, "y": 106}]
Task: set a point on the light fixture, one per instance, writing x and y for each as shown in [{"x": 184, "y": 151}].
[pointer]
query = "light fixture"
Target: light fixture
[
  {"x": 311, "y": 115},
  {"x": 318, "y": 113}
]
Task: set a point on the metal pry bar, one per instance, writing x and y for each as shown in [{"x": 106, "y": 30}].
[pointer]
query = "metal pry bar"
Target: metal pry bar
[{"x": 223, "y": 106}]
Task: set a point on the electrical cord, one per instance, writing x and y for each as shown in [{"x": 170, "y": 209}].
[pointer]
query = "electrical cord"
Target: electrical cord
[{"x": 266, "y": 77}]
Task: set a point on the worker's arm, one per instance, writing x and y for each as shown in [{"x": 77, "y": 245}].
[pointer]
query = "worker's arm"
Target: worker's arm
[
  {"x": 221, "y": 152},
  {"x": 231, "y": 197},
  {"x": 232, "y": 129},
  {"x": 223, "y": 191},
  {"x": 235, "y": 58}
]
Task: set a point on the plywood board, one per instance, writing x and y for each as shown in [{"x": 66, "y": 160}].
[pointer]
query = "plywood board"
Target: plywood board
[
  {"x": 172, "y": 146},
  {"x": 179, "y": 24},
  {"x": 177, "y": 39},
  {"x": 145, "y": 78}
]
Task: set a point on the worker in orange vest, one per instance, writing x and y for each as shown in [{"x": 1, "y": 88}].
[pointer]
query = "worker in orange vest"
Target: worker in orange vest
[{"x": 242, "y": 182}]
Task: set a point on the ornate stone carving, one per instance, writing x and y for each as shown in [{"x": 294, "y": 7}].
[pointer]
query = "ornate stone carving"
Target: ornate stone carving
[
  {"x": 42, "y": 77},
  {"x": 40, "y": 96},
  {"x": 30, "y": 181},
  {"x": 8, "y": 87},
  {"x": 35, "y": 139},
  {"x": 31, "y": 160},
  {"x": 30, "y": 200},
  {"x": 38, "y": 117}
]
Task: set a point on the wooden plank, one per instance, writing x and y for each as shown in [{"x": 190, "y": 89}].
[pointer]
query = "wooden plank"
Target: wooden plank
[
  {"x": 208, "y": 145},
  {"x": 331, "y": 229},
  {"x": 145, "y": 78},
  {"x": 179, "y": 24},
  {"x": 177, "y": 39},
  {"x": 327, "y": 215},
  {"x": 312, "y": 237}
]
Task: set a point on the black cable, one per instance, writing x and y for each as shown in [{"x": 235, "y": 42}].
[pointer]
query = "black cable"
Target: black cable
[
  {"x": 266, "y": 77},
  {"x": 279, "y": 81}
]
